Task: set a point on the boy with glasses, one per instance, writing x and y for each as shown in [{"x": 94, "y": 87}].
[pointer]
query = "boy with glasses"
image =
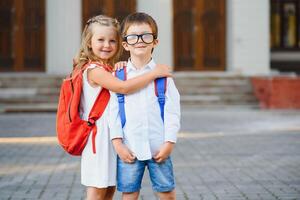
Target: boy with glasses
[{"x": 147, "y": 138}]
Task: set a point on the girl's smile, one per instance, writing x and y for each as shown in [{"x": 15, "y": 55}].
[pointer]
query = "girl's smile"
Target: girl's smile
[{"x": 104, "y": 42}]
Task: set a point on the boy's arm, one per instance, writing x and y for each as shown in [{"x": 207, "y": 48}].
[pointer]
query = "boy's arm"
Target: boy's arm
[
  {"x": 171, "y": 121},
  {"x": 116, "y": 131},
  {"x": 122, "y": 150},
  {"x": 164, "y": 151},
  {"x": 172, "y": 112}
]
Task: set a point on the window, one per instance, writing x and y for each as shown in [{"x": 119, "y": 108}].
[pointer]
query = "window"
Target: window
[{"x": 285, "y": 33}]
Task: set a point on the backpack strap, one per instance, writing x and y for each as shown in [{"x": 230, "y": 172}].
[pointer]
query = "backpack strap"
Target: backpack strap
[
  {"x": 160, "y": 90},
  {"x": 122, "y": 75},
  {"x": 99, "y": 105},
  {"x": 96, "y": 112}
]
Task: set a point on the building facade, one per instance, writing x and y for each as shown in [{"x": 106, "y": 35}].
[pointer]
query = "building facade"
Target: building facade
[{"x": 194, "y": 35}]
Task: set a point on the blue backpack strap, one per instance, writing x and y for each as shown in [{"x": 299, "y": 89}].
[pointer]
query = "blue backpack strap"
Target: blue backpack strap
[
  {"x": 121, "y": 74},
  {"x": 160, "y": 90}
]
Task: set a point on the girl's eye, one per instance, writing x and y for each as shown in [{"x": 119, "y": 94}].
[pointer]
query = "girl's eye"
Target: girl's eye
[
  {"x": 100, "y": 40},
  {"x": 113, "y": 41}
]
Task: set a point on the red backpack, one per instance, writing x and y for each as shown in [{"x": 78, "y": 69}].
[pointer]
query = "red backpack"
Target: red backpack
[{"x": 72, "y": 131}]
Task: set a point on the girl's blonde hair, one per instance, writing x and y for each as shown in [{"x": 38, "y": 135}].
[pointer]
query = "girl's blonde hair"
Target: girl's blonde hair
[{"x": 85, "y": 53}]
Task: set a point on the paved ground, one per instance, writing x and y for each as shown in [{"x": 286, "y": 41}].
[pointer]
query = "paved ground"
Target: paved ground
[{"x": 226, "y": 154}]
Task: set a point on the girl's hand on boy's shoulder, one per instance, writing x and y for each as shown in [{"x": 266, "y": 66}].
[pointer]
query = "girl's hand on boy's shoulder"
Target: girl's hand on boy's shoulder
[
  {"x": 164, "y": 152},
  {"x": 120, "y": 65},
  {"x": 162, "y": 70}
]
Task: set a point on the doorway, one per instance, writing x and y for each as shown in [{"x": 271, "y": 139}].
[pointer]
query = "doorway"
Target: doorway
[
  {"x": 199, "y": 35},
  {"x": 22, "y": 35}
]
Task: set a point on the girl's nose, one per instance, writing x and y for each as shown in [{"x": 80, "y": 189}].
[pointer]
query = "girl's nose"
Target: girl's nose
[{"x": 106, "y": 44}]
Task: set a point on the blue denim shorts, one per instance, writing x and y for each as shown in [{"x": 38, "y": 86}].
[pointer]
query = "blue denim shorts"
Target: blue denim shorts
[{"x": 129, "y": 176}]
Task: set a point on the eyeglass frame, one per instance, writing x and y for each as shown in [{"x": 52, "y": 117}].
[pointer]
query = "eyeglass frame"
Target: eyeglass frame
[{"x": 138, "y": 37}]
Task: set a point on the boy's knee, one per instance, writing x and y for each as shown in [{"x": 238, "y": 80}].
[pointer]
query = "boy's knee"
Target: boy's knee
[
  {"x": 130, "y": 195},
  {"x": 167, "y": 195}
]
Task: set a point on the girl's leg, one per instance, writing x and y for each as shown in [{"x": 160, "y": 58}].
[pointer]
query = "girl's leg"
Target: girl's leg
[
  {"x": 110, "y": 193},
  {"x": 96, "y": 193}
]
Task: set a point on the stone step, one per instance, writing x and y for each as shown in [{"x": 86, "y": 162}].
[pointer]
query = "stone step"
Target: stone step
[
  {"x": 29, "y": 80},
  {"x": 40, "y": 92},
  {"x": 29, "y": 107},
  {"x": 214, "y": 90},
  {"x": 205, "y": 82},
  {"x": 211, "y": 99}
]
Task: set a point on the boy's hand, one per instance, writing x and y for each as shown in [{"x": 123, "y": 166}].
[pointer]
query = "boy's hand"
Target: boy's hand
[
  {"x": 120, "y": 65},
  {"x": 162, "y": 71},
  {"x": 124, "y": 153},
  {"x": 164, "y": 152}
]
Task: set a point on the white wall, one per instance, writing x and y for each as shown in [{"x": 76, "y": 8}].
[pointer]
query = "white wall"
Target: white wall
[
  {"x": 161, "y": 11},
  {"x": 63, "y": 32},
  {"x": 248, "y": 49}
]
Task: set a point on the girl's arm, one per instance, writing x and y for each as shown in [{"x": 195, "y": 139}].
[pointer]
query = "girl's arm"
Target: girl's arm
[{"x": 98, "y": 76}]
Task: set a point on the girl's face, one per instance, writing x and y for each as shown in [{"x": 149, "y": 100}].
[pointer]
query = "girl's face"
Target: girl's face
[{"x": 104, "y": 42}]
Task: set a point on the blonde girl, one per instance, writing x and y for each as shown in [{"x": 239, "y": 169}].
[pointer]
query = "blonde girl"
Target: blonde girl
[{"x": 101, "y": 45}]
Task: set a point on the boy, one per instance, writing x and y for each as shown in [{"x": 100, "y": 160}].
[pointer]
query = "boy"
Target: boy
[{"x": 146, "y": 139}]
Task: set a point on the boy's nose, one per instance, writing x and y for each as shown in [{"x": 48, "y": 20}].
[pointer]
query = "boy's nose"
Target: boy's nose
[{"x": 139, "y": 40}]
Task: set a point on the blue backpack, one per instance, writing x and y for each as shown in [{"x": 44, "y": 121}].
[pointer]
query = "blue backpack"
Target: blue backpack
[{"x": 160, "y": 90}]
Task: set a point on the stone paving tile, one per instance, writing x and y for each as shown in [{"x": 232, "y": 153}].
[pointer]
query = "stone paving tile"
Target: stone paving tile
[
  {"x": 31, "y": 175},
  {"x": 249, "y": 161}
]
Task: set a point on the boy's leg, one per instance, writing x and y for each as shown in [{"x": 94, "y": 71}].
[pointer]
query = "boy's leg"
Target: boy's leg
[
  {"x": 167, "y": 195},
  {"x": 129, "y": 178},
  {"x": 162, "y": 178},
  {"x": 130, "y": 196}
]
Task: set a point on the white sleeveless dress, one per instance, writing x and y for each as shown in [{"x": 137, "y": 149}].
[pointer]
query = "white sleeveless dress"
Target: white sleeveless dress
[{"x": 97, "y": 170}]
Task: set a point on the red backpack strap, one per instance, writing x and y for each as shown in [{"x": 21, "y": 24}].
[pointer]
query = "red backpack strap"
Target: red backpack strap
[
  {"x": 96, "y": 112},
  {"x": 105, "y": 67},
  {"x": 98, "y": 107}
]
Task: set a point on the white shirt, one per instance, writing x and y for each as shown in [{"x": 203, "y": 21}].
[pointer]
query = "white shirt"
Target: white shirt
[{"x": 144, "y": 131}]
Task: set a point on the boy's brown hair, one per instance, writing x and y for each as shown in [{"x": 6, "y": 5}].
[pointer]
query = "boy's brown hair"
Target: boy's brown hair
[{"x": 139, "y": 18}]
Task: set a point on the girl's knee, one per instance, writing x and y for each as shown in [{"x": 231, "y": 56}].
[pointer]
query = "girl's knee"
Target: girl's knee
[
  {"x": 110, "y": 193},
  {"x": 96, "y": 193}
]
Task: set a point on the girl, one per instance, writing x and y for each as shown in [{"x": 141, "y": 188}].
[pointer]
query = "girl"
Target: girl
[{"x": 101, "y": 44}]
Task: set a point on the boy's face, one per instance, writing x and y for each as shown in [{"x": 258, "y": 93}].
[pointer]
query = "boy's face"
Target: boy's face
[{"x": 140, "y": 40}]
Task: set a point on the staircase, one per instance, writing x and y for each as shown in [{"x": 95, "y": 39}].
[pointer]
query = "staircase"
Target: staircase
[
  {"x": 29, "y": 92},
  {"x": 215, "y": 90},
  {"x": 38, "y": 92}
]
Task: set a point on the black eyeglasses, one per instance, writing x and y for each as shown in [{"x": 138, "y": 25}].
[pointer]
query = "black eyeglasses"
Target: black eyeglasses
[{"x": 132, "y": 39}]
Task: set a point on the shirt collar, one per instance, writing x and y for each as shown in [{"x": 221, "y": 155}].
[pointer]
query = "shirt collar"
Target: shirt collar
[{"x": 150, "y": 65}]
